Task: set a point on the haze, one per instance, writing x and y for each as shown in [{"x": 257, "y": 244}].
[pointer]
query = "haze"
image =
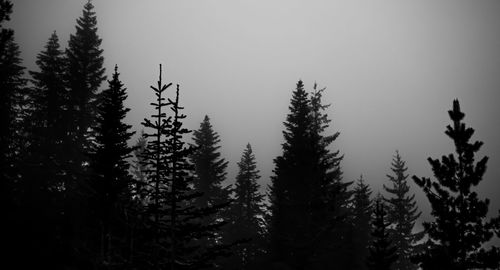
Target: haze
[{"x": 391, "y": 68}]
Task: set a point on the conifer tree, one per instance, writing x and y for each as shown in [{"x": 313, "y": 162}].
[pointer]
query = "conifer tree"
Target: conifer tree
[
  {"x": 175, "y": 222},
  {"x": 210, "y": 166},
  {"x": 47, "y": 119},
  {"x": 12, "y": 84},
  {"x": 402, "y": 213},
  {"x": 382, "y": 253},
  {"x": 361, "y": 223},
  {"x": 460, "y": 229},
  {"x": 307, "y": 193},
  {"x": 85, "y": 74},
  {"x": 109, "y": 168},
  {"x": 44, "y": 156},
  {"x": 210, "y": 170},
  {"x": 83, "y": 77},
  {"x": 246, "y": 214}
]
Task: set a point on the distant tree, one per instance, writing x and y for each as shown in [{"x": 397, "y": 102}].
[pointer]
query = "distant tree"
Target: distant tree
[
  {"x": 138, "y": 170},
  {"x": 109, "y": 169},
  {"x": 382, "y": 253},
  {"x": 139, "y": 191},
  {"x": 402, "y": 214},
  {"x": 210, "y": 166},
  {"x": 460, "y": 229},
  {"x": 246, "y": 214},
  {"x": 307, "y": 194},
  {"x": 361, "y": 224},
  {"x": 175, "y": 222}
]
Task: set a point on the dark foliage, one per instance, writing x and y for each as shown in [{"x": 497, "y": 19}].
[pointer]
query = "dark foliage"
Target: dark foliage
[
  {"x": 110, "y": 179},
  {"x": 306, "y": 192},
  {"x": 174, "y": 221},
  {"x": 246, "y": 216},
  {"x": 210, "y": 166},
  {"x": 402, "y": 214},
  {"x": 84, "y": 76},
  {"x": 12, "y": 85},
  {"x": 44, "y": 155},
  {"x": 460, "y": 229},
  {"x": 382, "y": 252},
  {"x": 360, "y": 233}
]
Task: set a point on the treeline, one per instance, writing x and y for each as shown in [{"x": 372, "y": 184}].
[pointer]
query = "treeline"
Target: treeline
[{"x": 77, "y": 194}]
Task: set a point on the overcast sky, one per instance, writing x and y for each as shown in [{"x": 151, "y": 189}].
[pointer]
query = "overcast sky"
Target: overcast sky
[{"x": 391, "y": 68}]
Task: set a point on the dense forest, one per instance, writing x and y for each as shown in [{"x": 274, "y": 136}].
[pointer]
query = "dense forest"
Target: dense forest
[{"x": 77, "y": 193}]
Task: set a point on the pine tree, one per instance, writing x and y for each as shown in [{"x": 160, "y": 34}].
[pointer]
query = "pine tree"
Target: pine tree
[
  {"x": 460, "y": 229},
  {"x": 109, "y": 168},
  {"x": 83, "y": 78},
  {"x": 402, "y": 214},
  {"x": 44, "y": 159},
  {"x": 382, "y": 253},
  {"x": 246, "y": 214},
  {"x": 210, "y": 166},
  {"x": 175, "y": 222},
  {"x": 47, "y": 119},
  {"x": 307, "y": 193},
  {"x": 12, "y": 85},
  {"x": 85, "y": 74},
  {"x": 361, "y": 224}
]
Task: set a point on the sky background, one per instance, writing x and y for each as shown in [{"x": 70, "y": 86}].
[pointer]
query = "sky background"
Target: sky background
[{"x": 391, "y": 68}]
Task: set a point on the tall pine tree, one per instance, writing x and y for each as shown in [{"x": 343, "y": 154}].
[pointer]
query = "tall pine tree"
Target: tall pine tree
[
  {"x": 85, "y": 74},
  {"x": 382, "y": 253},
  {"x": 110, "y": 178},
  {"x": 44, "y": 165},
  {"x": 175, "y": 222},
  {"x": 12, "y": 84},
  {"x": 460, "y": 229},
  {"x": 402, "y": 214},
  {"x": 246, "y": 214},
  {"x": 83, "y": 77},
  {"x": 307, "y": 194}
]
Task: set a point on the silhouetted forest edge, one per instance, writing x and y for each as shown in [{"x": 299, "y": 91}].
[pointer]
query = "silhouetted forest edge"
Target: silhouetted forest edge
[{"x": 76, "y": 193}]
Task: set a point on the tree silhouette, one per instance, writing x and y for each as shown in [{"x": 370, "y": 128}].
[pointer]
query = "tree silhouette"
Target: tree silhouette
[
  {"x": 85, "y": 74},
  {"x": 12, "y": 85},
  {"x": 44, "y": 159},
  {"x": 361, "y": 224},
  {"x": 210, "y": 166},
  {"x": 460, "y": 228},
  {"x": 175, "y": 221},
  {"x": 402, "y": 214},
  {"x": 246, "y": 215},
  {"x": 306, "y": 193},
  {"x": 110, "y": 179},
  {"x": 382, "y": 252},
  {"x": 83, "y": 77}
]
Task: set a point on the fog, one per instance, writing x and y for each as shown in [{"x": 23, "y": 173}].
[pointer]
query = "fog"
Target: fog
[{"x": 391, "y": 68}]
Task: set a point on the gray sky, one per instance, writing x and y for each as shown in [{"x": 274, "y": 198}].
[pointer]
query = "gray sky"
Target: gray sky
[{"x": 391, "y": 68}]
